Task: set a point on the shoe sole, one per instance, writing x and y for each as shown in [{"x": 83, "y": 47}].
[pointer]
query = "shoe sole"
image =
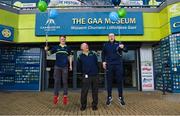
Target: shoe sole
[
  {"x": 56, "y": 102},
  {"x": 82, "y": 110},
  {"x": 65, "y": 102},
  {"x": 120, "y": 103},
  {"x": 110, "y": 102}
]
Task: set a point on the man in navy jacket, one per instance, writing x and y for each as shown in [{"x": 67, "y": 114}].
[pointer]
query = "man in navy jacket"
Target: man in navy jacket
[
  {"x": 112, "y": 63},
  {"x": 88, "y": 66},
  {"x": 63, "y": 58}
]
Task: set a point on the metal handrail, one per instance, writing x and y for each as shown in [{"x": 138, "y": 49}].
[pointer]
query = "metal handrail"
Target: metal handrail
[
  {"x": 97, "y": 6},
  {"x": 88, "y": 6},
  {"x": 100, "y": 6},
  {"x": 162, "y": 3}
]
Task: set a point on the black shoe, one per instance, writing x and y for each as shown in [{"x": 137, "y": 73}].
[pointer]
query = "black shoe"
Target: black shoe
[
  {"x": 94, "y": 108},
  {"x": 83, "y": 108},
  {"x": 109, "y": 100},
  {"x": 121, "y": 101}
]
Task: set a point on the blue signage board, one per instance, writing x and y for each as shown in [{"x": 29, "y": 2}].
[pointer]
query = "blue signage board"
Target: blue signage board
[
  {"x": 88, "y": 23},
  {"x": 20, "y": 68},
  {"x": 175, "y": 24},
  {"x": 6, "y": 33}
]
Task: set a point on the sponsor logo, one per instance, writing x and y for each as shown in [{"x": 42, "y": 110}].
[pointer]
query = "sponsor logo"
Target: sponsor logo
[
  {"x": 50, "y": 21},
  {"x": 50, "y": 25},
  {"x": 176, "y": 25},
  {"x": 145, "y": 80},
  {"x": 146, "y": 69},
  {"x": 147, "y": 85},
  {"x": 6, "y": 33}
]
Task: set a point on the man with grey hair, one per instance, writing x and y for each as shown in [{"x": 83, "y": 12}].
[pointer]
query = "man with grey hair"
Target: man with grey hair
[
  {"x": 88, "y": 66},
  {"x": 112, "y": 63}
]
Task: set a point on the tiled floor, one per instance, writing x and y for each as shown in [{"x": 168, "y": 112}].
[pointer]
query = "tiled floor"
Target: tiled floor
[{"x": 137, "y": 103}]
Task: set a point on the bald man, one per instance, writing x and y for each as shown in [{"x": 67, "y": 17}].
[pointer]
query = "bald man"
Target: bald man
[{"x": 88, "y": 65}]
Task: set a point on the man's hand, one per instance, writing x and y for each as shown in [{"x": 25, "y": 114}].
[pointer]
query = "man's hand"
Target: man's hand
[
  {"x": 70, "y": 68},
  {"x": 70, "y": 62},
  {"x": 46, "y": 48},
  {"x": 104, "y": 65},
  {"x": 121, "y": 46}
]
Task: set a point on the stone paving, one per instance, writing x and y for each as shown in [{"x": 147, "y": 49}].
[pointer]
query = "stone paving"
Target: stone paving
[{"x": 137, "y": 103}]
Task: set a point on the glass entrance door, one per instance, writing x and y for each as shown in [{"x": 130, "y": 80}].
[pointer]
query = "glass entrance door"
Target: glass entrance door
[
  {"x": 101, "y": 73},
  {"x": 129, "y": 65}
]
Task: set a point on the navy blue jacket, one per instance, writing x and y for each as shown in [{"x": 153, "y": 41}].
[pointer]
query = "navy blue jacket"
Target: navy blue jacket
[
  {"x": 88, "y": 64},
  {"x": 112, "y": 53},
  {"x": 62, "y": 54}
]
